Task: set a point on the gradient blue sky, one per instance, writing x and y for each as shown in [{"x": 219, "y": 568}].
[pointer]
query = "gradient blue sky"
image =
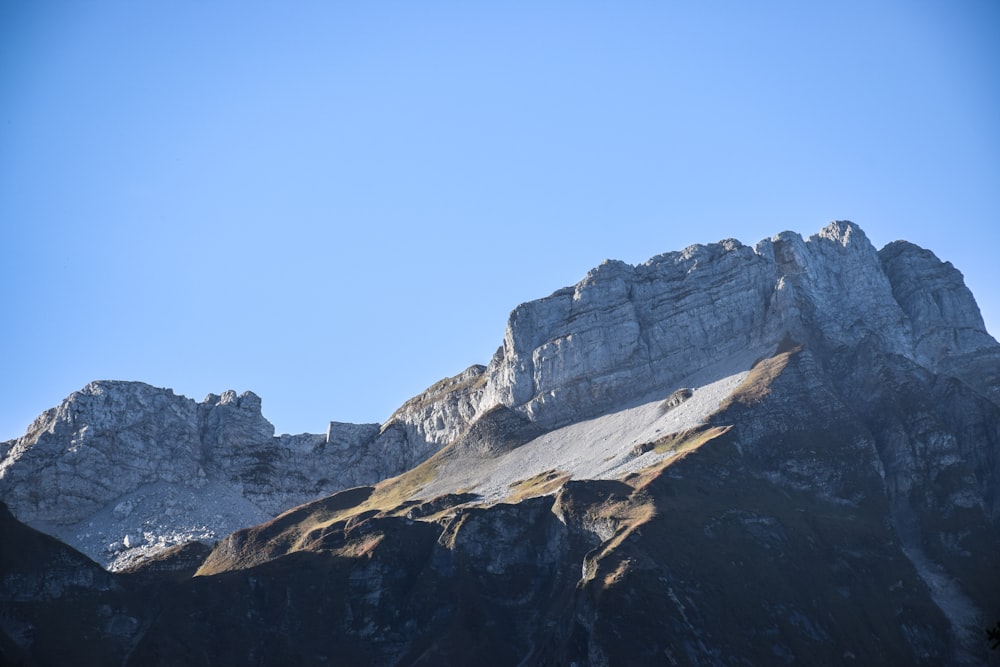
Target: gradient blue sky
[{"x": 335, "y": 204}]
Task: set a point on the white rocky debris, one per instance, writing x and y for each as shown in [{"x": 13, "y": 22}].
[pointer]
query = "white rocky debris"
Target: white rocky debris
[{"x": 602, "y": 447}]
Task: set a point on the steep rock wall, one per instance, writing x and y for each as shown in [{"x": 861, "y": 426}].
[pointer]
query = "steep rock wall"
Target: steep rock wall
[
  {"x": 624, "y": 332},
  {"x": 122, "y": 469}
]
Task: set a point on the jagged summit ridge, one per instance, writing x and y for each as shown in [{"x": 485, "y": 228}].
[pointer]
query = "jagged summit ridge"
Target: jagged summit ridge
[
  {"x": 625, "y": 331},
  {"x": 123, "y": 469},
  {"x": 819, "y": 457},
  {"x": 153, "y": 435},
  {"x": 133, "y": 458}
]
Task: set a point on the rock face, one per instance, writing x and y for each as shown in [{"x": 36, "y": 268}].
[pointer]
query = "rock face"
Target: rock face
[
  {"x": 122, "y": 469},
  {"x": 946, "y": 327},
  {"x": 126, "y": 457},
  {"x": 626, "y": 331},
  {"x": 838, "y": 502},
  {"x": 150, "y": 434}
]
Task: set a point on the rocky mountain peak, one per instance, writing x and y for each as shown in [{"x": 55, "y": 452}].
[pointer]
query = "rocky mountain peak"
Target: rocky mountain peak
[
  {"x": 802, "y": 434},
  {"x": 845, "y": 232},
  {"x": 620, "y": 336},
  {"x": 126, "y": 468},
  {"x": 146, "y": 433},
  {"x": 623, "y": 331}
]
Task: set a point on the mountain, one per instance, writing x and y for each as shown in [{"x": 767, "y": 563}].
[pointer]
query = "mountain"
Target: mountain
[
  {"x": 726, "y": 455},
  {"x": 121, "y": 470}
]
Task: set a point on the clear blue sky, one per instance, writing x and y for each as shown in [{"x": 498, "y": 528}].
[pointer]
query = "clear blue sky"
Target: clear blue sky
[{"x": 335, "y": 204}]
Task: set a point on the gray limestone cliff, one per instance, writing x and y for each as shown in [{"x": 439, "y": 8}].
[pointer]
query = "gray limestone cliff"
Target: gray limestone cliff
[
  {"x": 802, "y": 435},
  {"x": 625, "y": 331},
  {"x": 947, "y": 332},
  {"x": 121, "y": 464},
  {"x": 123, "y": 469}
]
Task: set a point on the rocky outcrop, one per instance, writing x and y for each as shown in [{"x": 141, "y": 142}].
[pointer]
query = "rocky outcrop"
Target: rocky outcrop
[
  {"x": 102, "y": 442},
  {"x": 124, "y": 469},
  {"x": 626, "y": 331},
  {"x": 942, "y": 313},
  {"x": 124, "y": 460},
  {"x": 947, "y": 328},
  {"x": 441, "y": 413},
  {"x": 838, "y": 503}
]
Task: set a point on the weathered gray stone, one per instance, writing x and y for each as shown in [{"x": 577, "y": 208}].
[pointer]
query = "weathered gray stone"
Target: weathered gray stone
[
  {"x": 624, "y": 332},
  {"x": 126, "y": 458},
  {"x": 133, "y": 466}
]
